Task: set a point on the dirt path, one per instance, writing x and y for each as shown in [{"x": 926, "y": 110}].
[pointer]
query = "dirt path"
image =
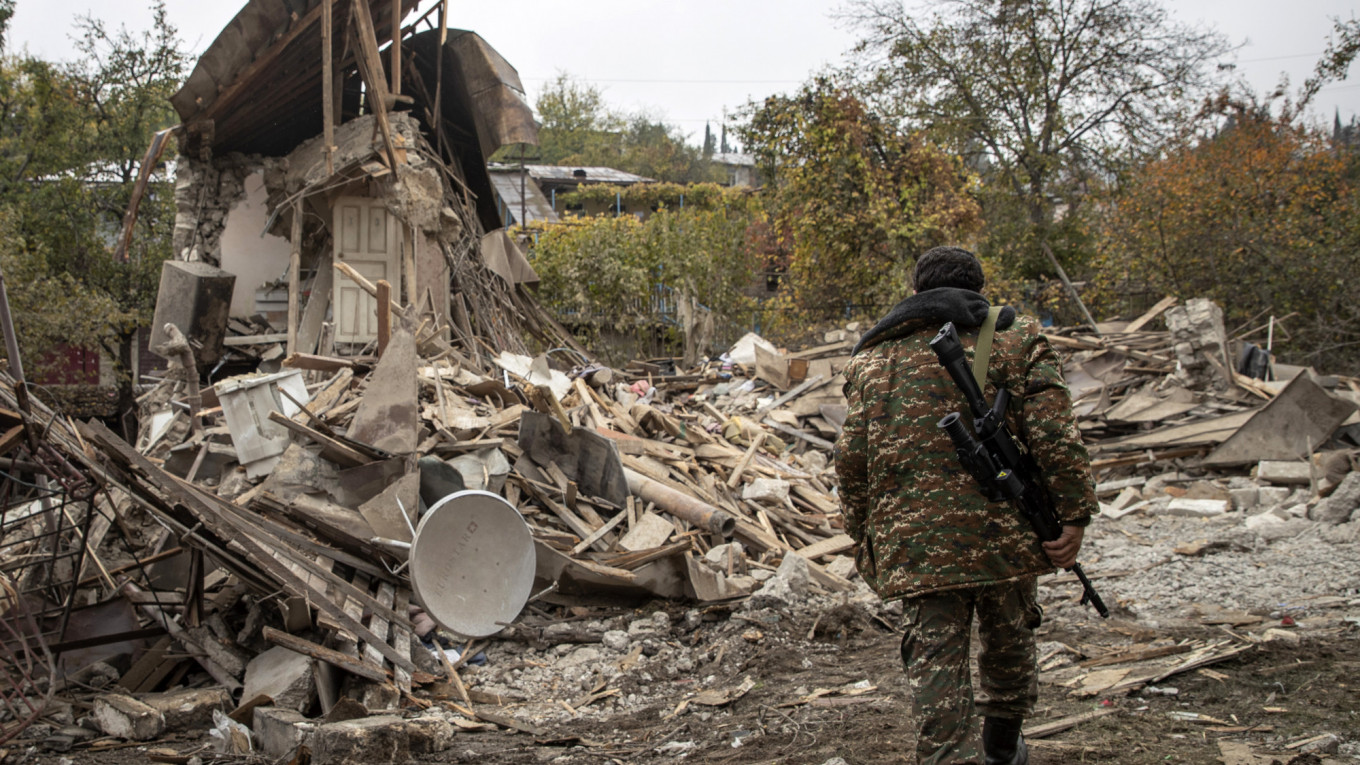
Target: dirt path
[{"x": 1270, "y": 697}]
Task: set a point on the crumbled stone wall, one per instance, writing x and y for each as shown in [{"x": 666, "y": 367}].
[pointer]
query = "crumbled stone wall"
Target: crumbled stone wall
[
  {"x": 205, "y": 192},
  {"x": 1200, "y": 342}
]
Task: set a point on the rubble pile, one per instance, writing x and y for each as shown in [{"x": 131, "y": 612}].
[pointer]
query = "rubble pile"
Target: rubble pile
[{"x": 377, "y": 553}]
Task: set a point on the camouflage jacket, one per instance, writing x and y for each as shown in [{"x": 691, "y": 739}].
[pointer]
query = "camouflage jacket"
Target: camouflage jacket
[{"x": 919, "y": 520}]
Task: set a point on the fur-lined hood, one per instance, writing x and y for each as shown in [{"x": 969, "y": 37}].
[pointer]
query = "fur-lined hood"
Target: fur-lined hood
[{"x": 965, "y": 308}]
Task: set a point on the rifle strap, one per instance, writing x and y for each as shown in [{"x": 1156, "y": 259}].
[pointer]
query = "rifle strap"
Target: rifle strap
[{"x": 982, "y": 352}]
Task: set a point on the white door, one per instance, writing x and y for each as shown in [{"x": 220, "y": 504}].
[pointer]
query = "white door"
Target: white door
[{"x": 367, "y": 240}]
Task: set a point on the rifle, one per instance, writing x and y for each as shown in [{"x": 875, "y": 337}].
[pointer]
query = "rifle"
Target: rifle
[{"x": 1000, "y": 464}]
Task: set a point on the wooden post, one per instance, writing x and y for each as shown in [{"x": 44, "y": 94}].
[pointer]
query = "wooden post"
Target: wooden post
[
  {"x": 396, "y": 47},
  {"x": 439, "y": 71},
  {"x": 1072, "y": 290},
  {"x": 384, "y": 315},
  {"x": 408, "y": 262},
  {"x": 370, "y": 68},
  {"x": 295, "y": 278},
  {"x": 328, "y": 84}
]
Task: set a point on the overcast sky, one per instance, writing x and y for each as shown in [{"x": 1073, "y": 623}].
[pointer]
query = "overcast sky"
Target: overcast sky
[{"x": 691, "y": 61}]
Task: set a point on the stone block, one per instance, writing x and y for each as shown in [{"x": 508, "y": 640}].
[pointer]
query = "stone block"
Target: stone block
[
  {"x": 125, "y": 717},
  {"x": 770, "y": 490},
  {"x": 1259, "y": 520},
  {"x": 1270, "y": 496},
  {"x": 1283, "y": 473},
  {"x": 1195, "y": 508},
  {"x": 842, "y": 566},
  {"x": 378, "y": 740},
  {"x": 279, "y": 732},
  {"x": 1341, "y": 506},
  {"x": 190, "y": 709},
  {"x": 283, "y": 675},
  {"x": 1246, "y": 499},
  {"x": 1128, "y": 496}
]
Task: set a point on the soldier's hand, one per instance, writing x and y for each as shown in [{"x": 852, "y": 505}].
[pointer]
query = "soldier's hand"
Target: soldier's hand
[{"x": 1063, "y": 550}]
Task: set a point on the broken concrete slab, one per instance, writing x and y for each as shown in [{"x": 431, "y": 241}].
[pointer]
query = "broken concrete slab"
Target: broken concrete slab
[
  {"x": 378, "y": 740},
  {"x": 1294, "y": 424},
  {"x": 283, "y": 675},
  {"x": 384, "y": 513},
  {"x": 1285, "y": 473},
  {"x": 1195, "y": 508},
  {"x": 1342, "y": 504},
  {"x": 650, "y": 531},
  {"x": 189, "y": 709},
  {"x": 125, "y": 717},
  {"x": 769, "y": 490},
  {"x": 279, "y": 731},
  {"x": 388, "y": 416}
]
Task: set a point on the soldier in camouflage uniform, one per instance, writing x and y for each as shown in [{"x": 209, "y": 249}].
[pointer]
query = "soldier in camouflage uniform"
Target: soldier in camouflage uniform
[{"x": 923, "y": 531}]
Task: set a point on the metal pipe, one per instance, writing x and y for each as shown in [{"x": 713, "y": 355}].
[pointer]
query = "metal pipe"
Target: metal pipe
[{"x": 681, "y": 505}]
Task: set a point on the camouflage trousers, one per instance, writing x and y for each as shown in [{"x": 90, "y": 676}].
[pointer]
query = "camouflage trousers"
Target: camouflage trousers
[{"x": 935, "y": 653}]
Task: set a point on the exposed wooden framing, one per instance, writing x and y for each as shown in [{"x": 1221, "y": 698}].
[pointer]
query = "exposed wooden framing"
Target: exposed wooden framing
[
  {"x": 370, "y": 68},
  {"x": 364, "y": 669},
  {"x": 328, "y": 85},
  {"x": 439, "y": 73},
  {"x": 395, "y": 74},
  {"x": 265, "y": 60},
  {"x": 295, "y": 277}
]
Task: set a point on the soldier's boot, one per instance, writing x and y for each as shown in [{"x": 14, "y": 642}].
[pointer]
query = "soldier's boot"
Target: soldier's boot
[{"x": 1002, "y": 741}]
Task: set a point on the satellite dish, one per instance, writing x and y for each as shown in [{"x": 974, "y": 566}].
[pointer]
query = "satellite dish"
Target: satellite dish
[{"x": 472, "y": 563}]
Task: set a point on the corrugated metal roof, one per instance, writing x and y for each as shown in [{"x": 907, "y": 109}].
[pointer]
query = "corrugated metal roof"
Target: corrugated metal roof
[
  {"x": 733, "y": 158},
  {"x": 535, "y": 207},
  {"x": 570, "y": 174}
]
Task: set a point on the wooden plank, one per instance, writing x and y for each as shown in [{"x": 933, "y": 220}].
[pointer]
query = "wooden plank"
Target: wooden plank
[
  {"x": 1151, "y": 314},
  {"x": 370, "y": 69},
  {"x": 829, "y": 546},
  {"x": 384, "y": 315},
  {"x": 314, "y": 313},
  {"x": 237, "y": 341},
  {"x": 796, "y": 433},
  {"x": 295, "y": 277},
  {"x": 1058, "y": 726},
  {"x": 745, "y": 460},
  {"x": 315, "y": 363},
  {"x": 401, "y": 637},
  {"x": 335, "y": 450},
  {"x": 334, "y": 658},
  {"x": 327, "y": 93}
]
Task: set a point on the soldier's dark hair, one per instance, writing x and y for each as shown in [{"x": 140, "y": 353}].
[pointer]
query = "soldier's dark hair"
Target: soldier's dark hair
[{"x": 948, "y": 267}]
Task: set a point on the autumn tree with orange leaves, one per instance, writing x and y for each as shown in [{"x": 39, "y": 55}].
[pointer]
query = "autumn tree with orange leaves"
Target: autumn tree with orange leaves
[
  {"x": 1261, "y": 216},
  {"x": 851, "y": 201}
]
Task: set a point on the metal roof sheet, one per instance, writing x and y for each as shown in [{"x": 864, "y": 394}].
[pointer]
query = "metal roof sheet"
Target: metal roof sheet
[{"x": 536, "y": 208}]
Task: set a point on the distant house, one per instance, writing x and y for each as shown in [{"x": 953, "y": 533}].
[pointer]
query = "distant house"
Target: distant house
[
  {"x": 741, "y": 168},
  {"x": 543, "y": 185}
]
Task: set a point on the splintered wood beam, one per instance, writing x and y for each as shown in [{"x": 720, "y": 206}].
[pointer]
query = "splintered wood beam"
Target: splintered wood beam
[
  {"x": 364, "y": 669},
  {"x": 262, "y": 62},
  {"x": 295, "y": 278},
  {"x": 370, "y": 69},
  {"x": 396, "y": 47},
  {"x": 328, "y": 84},
  {"x": 384, "y": 309}
]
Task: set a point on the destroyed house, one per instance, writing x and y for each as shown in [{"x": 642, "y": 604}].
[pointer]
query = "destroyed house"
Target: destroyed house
[{"x": 319, "y": 158}]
